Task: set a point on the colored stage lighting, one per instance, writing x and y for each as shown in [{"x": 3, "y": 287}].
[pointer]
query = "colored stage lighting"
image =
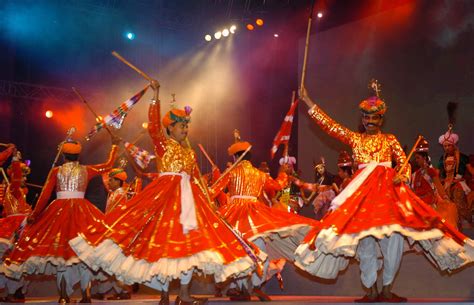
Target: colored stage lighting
[
  {"x": 320, "y": 15},
  {"x": 259, "y": 22},
  {"x": 232, "y": 29},
  {"x": 130, "y": 36},
  {"x": 225, "y": 32},
  {"x": 218, "y": 35},
  {"x": 208, "y": 37},
  {"x": 250, "y": 27},
  {"x": 276, "y": 35},
  {"x": 48, "y": 114},
  {"x": 99, "y": 119}
]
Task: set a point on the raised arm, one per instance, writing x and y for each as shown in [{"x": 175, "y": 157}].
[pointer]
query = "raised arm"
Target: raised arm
[
  {"x": 326, "y": 123},
  {"x": 154, "y": 124},
  {"x": 97, "y": 169}
]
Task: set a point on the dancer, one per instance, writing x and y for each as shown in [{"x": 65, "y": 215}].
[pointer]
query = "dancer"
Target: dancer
[
  {"x": 168, "y": 231},
  {"x": 43, "y": 246},
  {"x": 257, "y": 222},
  {"x": 376, "y": 208}
]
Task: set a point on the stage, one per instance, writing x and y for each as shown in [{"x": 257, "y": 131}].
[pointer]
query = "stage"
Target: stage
[{"x": 277, "y": 300}]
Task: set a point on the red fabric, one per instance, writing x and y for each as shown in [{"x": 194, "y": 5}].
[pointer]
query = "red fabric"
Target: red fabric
[
  {"x": 253, "y": 218},
  {"x": 378, "y": 202},
  {"x": 62, "y": 221},
  {"x": 283, "y": 135},
  {"x": 148, "y": 227},
  {"x": 4, "y": 155},
  {"x": 9, "y": 225}
]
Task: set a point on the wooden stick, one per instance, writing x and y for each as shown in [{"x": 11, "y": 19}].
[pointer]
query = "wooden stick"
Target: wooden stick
[
  {"x": 143, "y": 74},
  {"x": 233, "y": 165},
  {"x": 34, "y": 185},
  {"x": 420, "y": 137},
  {"x": 206, "y": 155},
  {"x": 92, "y": 110},
  {"x": 306, "y": 48},
  {"x": 4, "y": 176}
]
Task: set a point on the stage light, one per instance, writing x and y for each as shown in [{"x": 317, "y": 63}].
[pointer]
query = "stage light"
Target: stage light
[
  {"x": 320, "y": 15},
  {"x": 49, "y": 114},
  {"x": 218, "y": 35},
  {"x": 275, "y": 35},
  {"x": 250, "y": 27},
  {"x": 225, "y": 32},
  {"x": 145, "y": 125},
  {"x": 208, "y": 37},
  {"x": 130, "y": 35},
  {"x": 232, "y": 29},
  {"x": 259, "y": 22},
  {"x": 99, "y": 119}
]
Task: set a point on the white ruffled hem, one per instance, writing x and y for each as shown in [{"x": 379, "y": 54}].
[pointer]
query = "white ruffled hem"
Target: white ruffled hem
[
  {"x": 109, "y": 256},
  {"x": 333, "y": 251},
  {"x": 297, "y": 230},
  {"x": 47, "y": 265}
]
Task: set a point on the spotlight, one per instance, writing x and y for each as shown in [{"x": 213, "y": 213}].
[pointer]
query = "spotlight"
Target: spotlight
[
  {"x": 130, "y": 35},
  {"x": 250, "y": 27},
  {"x": 218, "y": 35},
  {"x": 232, "y": 29},
  {"x": 275, "y": 35},
  {"x": 225, "y": 32},
  {"x": 320, "y": 15},
  {"x": 259, "y": 22},
  {"x": 48, "y": 114},
  {"x": 208, "y": 37},
  {"x": 145, "y": 125}
]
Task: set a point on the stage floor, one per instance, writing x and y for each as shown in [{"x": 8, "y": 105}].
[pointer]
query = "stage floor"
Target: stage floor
[{"x": 277, "y": 300}]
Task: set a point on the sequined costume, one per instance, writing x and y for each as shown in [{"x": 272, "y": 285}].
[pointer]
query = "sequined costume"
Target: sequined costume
[
  {"x": 43, "y": 247},
  {"x": 372, "y": 208},
  {"x": 266, "y": 227},
  {"x": 168, "y": 230}
]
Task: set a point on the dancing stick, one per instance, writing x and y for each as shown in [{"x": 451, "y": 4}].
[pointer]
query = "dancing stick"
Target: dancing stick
[
  {"x": 4, "y": 176},
  {"x": 232, "y": 166},
  {"x": 306, "y": 48},
  {"x": 206, "y": 155},
  {"x": 92, "y": 110},
  {"x": 4, "y": 144},
  {"x": 420, "y": 137},
  {"x": 143, "y": 74},
  {"x": 34, "y": 185}
]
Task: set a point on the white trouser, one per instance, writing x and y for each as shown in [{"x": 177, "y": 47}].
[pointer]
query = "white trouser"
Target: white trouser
[
  {"x": 11, "y": 285},
  {"x": 184, "y": 279},
  {"x": 73, "y": 274},
  {"x": 256, "y": 281},
  {"x": 392, "y": 251},
  {"x": 106, "y": 286}
]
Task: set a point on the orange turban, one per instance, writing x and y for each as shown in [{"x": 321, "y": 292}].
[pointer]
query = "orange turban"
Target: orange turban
[
  {"x": 118, "y": 173},
  {"x": 373, "y": 105},
  {"x": 72, "y": 147},
  {"x": 177, "y": 115},
  {"x": 236, "y": 147}
]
